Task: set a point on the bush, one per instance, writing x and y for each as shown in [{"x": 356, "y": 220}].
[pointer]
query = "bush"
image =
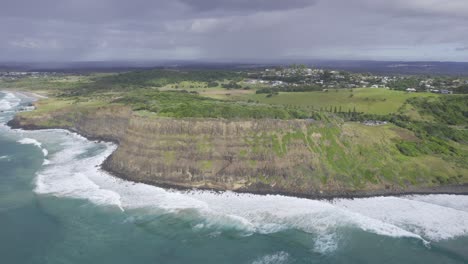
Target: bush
[{"x": 408, "y": 148}]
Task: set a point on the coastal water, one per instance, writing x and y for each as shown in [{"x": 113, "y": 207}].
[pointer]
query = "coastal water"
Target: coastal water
[{"x": 57, "y": 206}]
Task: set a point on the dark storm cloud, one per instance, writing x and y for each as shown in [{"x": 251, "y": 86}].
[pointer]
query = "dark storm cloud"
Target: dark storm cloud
[
  {"x": 233, "y": 29},
  {"x": 87, "y": 11}
]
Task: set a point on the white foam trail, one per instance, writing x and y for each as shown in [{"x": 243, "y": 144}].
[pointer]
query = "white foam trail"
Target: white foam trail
[
  {"x": 4, "y": 157},
  {"x": 30, "y": 141},
  {"x": 71, "y": 176},
  {"x": 326, "y": 243},
  {"x": 431, "y": 221},
  {"x": 9, "y": 101},
  {"x": 459, "y": 202},
  {"x": 276, "y": 258},
  {"x": 34, "y": 142}
]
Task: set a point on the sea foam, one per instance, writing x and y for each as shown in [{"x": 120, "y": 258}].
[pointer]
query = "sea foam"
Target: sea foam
[
  {"x": 459, "y": 202},
  {"x": 36, "y": 143},
  {"x": 276, "y": 258},
  {"x": 429, "y": 220},
  {"x": 9, "y": 101}
]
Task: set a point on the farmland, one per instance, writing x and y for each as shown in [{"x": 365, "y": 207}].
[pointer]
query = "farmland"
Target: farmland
[{"x": 366, "y": 100}]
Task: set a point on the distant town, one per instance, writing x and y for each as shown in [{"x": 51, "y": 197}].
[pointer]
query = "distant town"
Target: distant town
[
  {"x": 295, "y": 78},
  {"x": 314, "y": 79}
]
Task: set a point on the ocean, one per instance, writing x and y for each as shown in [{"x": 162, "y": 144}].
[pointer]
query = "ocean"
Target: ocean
[{"x": 57, "y": 206}]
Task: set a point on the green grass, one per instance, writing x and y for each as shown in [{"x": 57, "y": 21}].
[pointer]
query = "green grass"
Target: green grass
[
  {"x": 355, "y": 155},
  {"x": 181, "y": 105},
  {"x": 367, "y": 100}
]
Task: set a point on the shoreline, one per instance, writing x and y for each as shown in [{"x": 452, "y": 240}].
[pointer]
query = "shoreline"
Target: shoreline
[
  {"x": 447, "y": 189},
  {"x": 33, "y": 96}
]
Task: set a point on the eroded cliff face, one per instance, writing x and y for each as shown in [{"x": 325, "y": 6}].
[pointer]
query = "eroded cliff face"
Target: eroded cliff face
[
  {"x": 216, "y": 154},
  {"x": 297, "y": 157}
]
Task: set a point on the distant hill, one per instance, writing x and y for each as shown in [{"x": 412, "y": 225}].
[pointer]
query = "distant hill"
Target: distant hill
[{"x": 375, "y": 67}]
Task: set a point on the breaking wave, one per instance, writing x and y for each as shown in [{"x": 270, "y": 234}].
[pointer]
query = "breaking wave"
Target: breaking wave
[
  {"x": 9, "y": 101},
  {"x": 31, "y": 141}
]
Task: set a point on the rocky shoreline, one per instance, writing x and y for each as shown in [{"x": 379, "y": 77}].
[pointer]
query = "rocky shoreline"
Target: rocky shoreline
[{"x": 258, "y": 189}]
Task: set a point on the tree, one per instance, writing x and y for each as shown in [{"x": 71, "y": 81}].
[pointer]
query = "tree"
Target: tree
[{"x": 326, "y": 76}]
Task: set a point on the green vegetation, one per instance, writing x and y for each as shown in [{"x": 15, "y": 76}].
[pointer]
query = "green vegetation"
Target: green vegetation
[
  {"x": 366, "y": 100},
  {"x": 355, "y": 155},
  {"x": 183, "y": 104},
  {"x": 423, "y": 142},
  {"x": 450, "y": 110},
  {"x": 299, "y": 88},
  {"x": 124, "y": 82}
]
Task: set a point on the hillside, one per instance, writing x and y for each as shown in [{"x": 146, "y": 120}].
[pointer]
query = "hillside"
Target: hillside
[
  {"x": 313, "y": 144},
  {"x": 296, "y": 157}
]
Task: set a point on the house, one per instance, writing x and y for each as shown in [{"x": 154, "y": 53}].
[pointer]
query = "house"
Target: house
[
  {"x": 445, "y": 92},
  {"x": 410, "y": 90},
  {"x": 251, "y": 81},
  {"x": 277, "y": 83}
]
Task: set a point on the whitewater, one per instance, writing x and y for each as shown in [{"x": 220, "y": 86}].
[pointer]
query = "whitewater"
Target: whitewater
[{"x": 71, "y": 170}]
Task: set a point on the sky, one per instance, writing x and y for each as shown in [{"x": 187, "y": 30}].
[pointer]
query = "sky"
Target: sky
[{"x": 233, "y": 30}]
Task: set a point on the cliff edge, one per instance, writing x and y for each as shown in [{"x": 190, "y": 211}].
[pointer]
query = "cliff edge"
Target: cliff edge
[{"x": 304, "y": 158}]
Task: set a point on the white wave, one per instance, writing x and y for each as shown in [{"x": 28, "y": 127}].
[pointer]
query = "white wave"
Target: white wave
[
  {"x": 9, "y": 101},
  {"x": 70, "y": 176},
  {"x": 30, "y": 141},
  {"x": 326, "y": 243},
  {"x": 430, "y": 221},
  {"x": 459, "y": 202},
  {"x": 4, "y": 157},
  {"x": 276, "y": 258},
  {"x": 34, "y": 142}
]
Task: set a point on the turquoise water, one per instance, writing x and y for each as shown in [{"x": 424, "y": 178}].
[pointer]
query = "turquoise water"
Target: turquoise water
[{"x": 56, "y": 206}]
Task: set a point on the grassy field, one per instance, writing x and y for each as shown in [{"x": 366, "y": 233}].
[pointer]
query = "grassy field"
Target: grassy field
[{"x": 367, "y": 100}]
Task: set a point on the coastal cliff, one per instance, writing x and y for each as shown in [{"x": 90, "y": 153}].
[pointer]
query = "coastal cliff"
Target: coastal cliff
[{"x": 295, "y": 157}]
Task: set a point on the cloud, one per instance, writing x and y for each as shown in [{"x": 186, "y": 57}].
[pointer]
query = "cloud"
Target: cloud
[
  {"x": 462, "y": 48},
  {"x": 415, "y": 8},
  {"x": 247, "y": 5},
  {"x": 233, "y": 30}
]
